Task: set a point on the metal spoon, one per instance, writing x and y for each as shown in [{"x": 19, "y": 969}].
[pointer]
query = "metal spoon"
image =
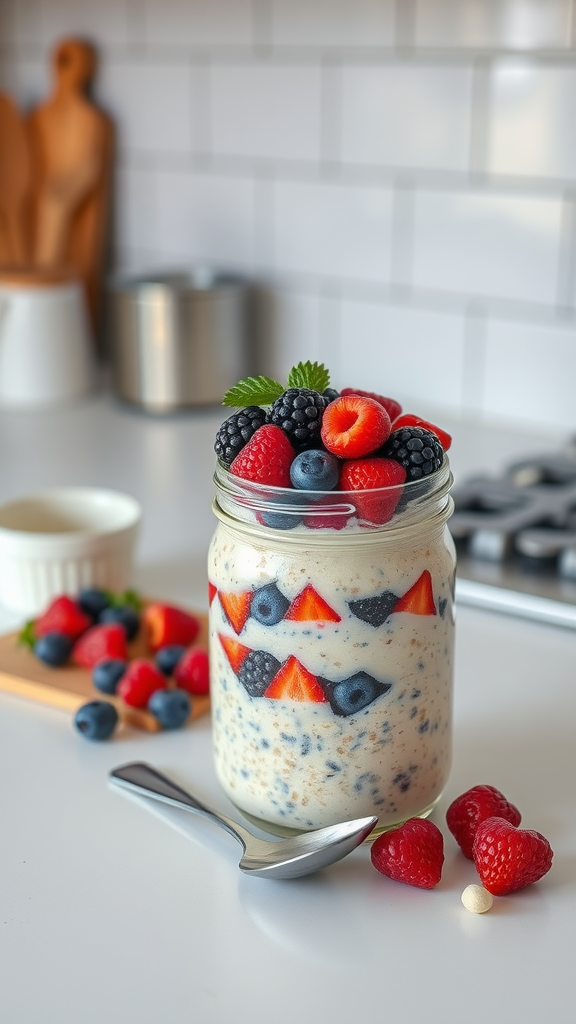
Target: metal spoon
[{"x": 285, "y": 858}]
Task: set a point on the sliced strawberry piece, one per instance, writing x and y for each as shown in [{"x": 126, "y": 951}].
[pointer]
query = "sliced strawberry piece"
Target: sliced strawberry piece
[
  {"x": 236, "y": 608},
  {"x": 353, "y": 426},
  {"x": 407, "y": 419},
  {"x": 192, "y": 673},
  {"x": 234, "y": 651},
  {"x": 266, "y": 459},
  {"x": 393, "y": 408},
  {"x": 140, "y": 680},
  {"x": 165, "y": 625},
  {"x": 419, "y": 600},
  {"x": 378, "y": 482},
  {"x": 100, "y": 643},
  {"x": 308, "y": 606},
  {"x": 212, "y": 591},
  {"x": 63, "y": 615},
  {"x": 294, "y": 682}
]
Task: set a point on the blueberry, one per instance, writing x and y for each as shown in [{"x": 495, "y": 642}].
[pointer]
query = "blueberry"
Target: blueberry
[
  {"x": 269, "y": 605},
  {"x": 107, "y": 674},
  {"x": 93, "y": 601},
  {"x": 96, "y": 720},
  {"x": 167, "y": 658},
  {"x": 374, "y": 610},
  {"x": 257, "y": 672},
  {"x": 53, "y": 649},
  {"x": 315, "y": 470},
  {"x": 170, "y": 707},
  {"x": 281, "y": 520},
  {"x": 125, "y": 615},
  {"x": 348, "y": 696}
]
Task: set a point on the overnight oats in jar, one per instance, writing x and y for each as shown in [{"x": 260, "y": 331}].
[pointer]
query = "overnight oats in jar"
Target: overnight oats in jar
[{"x": 331, "y": 577}]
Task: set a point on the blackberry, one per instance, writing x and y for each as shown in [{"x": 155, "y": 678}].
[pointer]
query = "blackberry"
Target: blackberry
[
  {"x": 418, "y": 450},
  {"x": 374, "y": 610},
  {"x": 331, "y": 394},
  {"x": 257, "y": 672},
  {"x": 236, "y": 431},
  {"x": 298, "y": 412}
]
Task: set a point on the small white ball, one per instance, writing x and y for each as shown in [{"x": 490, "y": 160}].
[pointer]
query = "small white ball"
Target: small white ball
[{"x": 476, "y": 899}]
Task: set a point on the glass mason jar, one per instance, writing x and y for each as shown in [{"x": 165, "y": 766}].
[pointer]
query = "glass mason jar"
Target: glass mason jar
[{"x": 331, "y": 650}]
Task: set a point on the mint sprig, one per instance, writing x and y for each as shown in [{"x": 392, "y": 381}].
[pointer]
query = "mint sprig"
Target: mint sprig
[
  {"x": 264, "y": 390},
  {"x": 309, "y": 375},
  {"x": 27, "y": 637}
]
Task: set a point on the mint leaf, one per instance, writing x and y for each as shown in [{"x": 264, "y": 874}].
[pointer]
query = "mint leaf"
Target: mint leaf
[
  {"x": 27, "y": 637},
  {"x": 125, "y": 598},
  {"x": 309, "y": 375},
  {"x": 253, "y": 391}
]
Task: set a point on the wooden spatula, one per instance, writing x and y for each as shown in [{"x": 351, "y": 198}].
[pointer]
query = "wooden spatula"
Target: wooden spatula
[{"x": 14, "y": 183}]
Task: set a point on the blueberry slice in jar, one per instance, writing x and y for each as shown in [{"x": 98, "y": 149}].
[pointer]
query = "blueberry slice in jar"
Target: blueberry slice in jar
[
  {"x": 353, "y": 694},
  {"x": 269, "y": 605}
]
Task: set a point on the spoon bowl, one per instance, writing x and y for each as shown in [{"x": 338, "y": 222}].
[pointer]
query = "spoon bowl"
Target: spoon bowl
[{"x": 285, "y": 858}]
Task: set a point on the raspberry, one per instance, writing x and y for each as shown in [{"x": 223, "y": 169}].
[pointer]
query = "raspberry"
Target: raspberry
[
  {"x": 236, "y": 431},
  {"x": 412, "y": 853},
  {"x": 192, "y": 671},
  {"x": 409, "y": 420},
  {"x": 418, "y": 450},
  {"x": 354, "y": 426},
  {"x": 474, "y": 806},
  {"x": 298, "y": 412},
  {"x": 99, "y": 643},
  {"x": 363, "y": 475},
  {"x": 393, "y": 408},
  {"x": 266, "y": 459},
  {"x": 140, "y": 680},
  {"x": 508, "y": 858}
]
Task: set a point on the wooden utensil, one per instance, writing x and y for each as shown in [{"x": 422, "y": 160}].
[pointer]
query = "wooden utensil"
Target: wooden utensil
[{"x": 14, "y": 184}]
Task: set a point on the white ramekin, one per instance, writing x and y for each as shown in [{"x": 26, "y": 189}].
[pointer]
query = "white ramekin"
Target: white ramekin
[{"x": 58, "y": 541}]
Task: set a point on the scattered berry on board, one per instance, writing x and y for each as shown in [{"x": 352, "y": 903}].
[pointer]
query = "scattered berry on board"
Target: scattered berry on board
[
  {"x": 96, "y": 720},
  {"x": 508, "y": 858},
  {"x": 170, "y": 707},
  {"x": 412, "y": 853},
  {"x": 472, "y": 807}
]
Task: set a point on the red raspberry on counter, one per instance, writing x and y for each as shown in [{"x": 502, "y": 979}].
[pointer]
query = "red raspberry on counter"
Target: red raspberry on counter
[
  {"x": 412, "y": 853},
  {"x": 363, "y": 475},
  {"x": 140, "y": 680},
  {"x": 393, "y": 408},
  {"x": 266, "y": 459},
  {"x": 353, "y": 426},
  {"x": 63, "y": 615},
  {"x": 100, "y": 643},
  {"x": 165, "y": 625},
  {"x": 467, "y": 811},
  {"x": 409, "y": 420},
  {"x": 509, "y": 858},
  {"x": 192, "y": 673}
]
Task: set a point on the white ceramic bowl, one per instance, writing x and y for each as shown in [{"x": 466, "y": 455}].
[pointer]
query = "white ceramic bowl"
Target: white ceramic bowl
[{"x": 58, "y": 541}]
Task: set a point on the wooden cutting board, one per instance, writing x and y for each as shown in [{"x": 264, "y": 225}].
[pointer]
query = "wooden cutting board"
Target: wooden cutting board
[{"x": 69, "y": 687}]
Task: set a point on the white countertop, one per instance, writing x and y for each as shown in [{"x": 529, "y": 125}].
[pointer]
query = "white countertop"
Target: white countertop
[{"x": 109, "y": 915}]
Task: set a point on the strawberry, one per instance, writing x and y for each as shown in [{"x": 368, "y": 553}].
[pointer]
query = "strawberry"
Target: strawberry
[
  {"x": 412, "y": 853},
  {"x": 165, "y": 625},
  {"x": 192, "y": 671},
  {"x": 212, "y": 591},
  {"x": 100, "y": 643},
  {"x": 308, "y": 606},
  {"x": 353, "y": 426},
  {"x": 266, "y": 459},
  {"x": 140, "y": 680},
  {"x": 419, "y": 600},
  {"x": 234, "y": 651},
  {"x": 508, "y": 858},
  {"x": 409, "y": 420},
  {"x": 474, "y": 806},
  {"x": 393, "y": 408},
  {"x": 236, "y": 608},
  {"x": 294, "y": 682},
  {"x": 63, "y": 615},
  {"x": 371, "y": 475}
]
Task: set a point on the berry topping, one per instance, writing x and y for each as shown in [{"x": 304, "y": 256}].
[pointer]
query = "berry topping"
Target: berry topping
[
  {"x": 234, "y": 651},
  {"x": 419, "y": 599},
  {"x": 266, "y": 459},
  {"x": 171, "y": 708},
  {"x": 409, "y": 420},
  {"x": 417, "y": 450},
  {"x": 315, "y": 470},
  {"x": 269, "y": 605},
  {"x": 374, "y": 474},
  {"x": 412, "y": 853},
  {"x": 140, "y": 680},
  {"x": 257, "y": 672},
  {"x": 374, "y": 610},
  {"x": 125, "y": 615},
  {"x": 63, "y": 615},
  {"x": 354, "y": 426},
  {"x": 308, "y": 606},
  {"x": 99, "y": 643},
  {"x": 166, "y": 658},
  {"x": 96, "y": 720},
  {"x": 192, "y": 671},
  {"x": 165, "y": 624},
  {"x": 53, "y": 649},
  {"x": 298, "y": 412},
  {"x": 236, "y": 608},
  {"x": 294, "y": 682},
  {"x": 393, "y": 408},
  {"x": 475, "y": 805},
  {"x": 107, "y": 674},
  {"x": 348, "y": 696},
  {"x": 236, "y": 431},
  {"x": 508, "y": 858}
]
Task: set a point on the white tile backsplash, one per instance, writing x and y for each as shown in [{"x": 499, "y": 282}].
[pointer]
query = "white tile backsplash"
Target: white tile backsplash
[
  {"x": 152, "y": 105},
  {"x": 507, "y": 24},
  {"x": 333, "y": 23},
  {"x": 105, "y": 21},
  {"x": 200, "y": 23}
]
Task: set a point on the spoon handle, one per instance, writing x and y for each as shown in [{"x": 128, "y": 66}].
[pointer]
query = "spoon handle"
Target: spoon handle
[{"x": 141, "y": 778}]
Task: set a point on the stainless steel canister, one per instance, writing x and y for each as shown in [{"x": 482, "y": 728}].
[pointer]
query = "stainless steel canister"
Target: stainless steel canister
[{"x": 178, "y": 340}]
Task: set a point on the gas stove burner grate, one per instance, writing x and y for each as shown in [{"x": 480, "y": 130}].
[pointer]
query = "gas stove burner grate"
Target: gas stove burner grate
[{"x": 516, "y": 539}]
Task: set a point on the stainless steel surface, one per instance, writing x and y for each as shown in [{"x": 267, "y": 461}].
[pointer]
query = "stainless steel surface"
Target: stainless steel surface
[
  {"x": 285, "y": 858},
  {"x": 177, "y": 341}
]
